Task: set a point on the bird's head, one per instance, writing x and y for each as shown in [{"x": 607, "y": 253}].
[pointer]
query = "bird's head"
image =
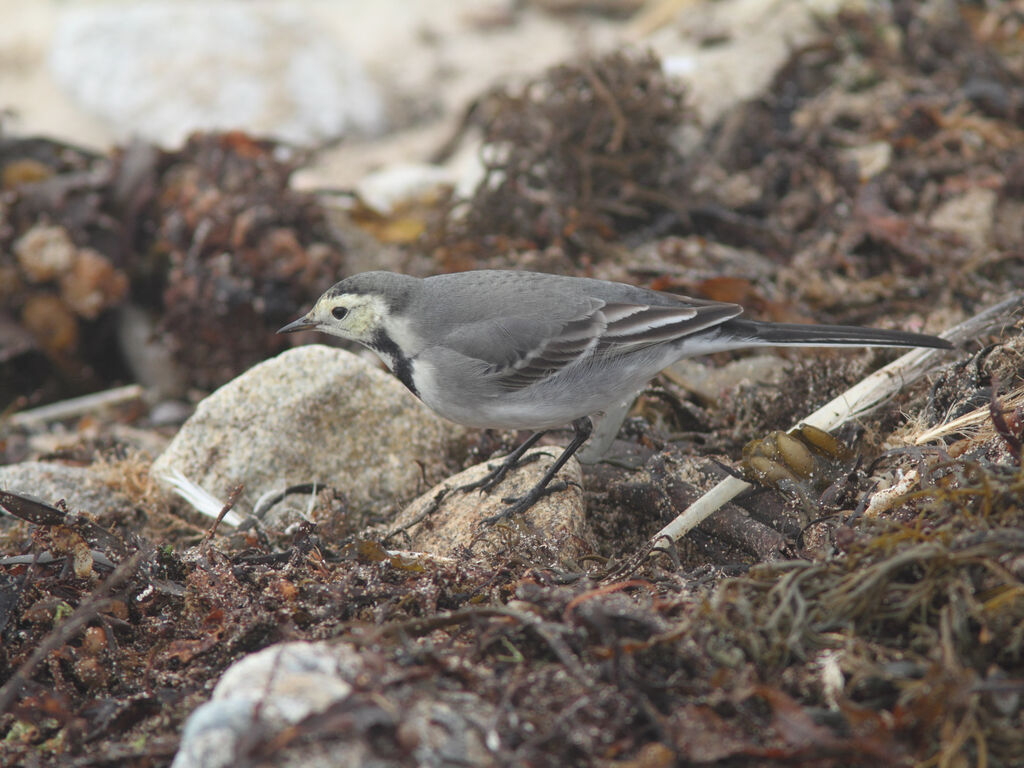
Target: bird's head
[
  {"x": 351, "y": 316},
  {"x": 358, "y": 308}
]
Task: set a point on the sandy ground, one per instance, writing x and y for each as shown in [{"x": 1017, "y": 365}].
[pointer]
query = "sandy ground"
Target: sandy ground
[{"x": 433, "y": 59}]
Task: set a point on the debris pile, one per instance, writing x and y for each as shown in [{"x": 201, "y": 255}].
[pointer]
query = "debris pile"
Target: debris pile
[
  {"x": 863, "y": 606},
  {"x": 584, "y": 154}
]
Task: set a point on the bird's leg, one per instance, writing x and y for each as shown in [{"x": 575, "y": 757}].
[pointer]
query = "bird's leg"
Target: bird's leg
[
  {"x": 605, "y": 431},
  {"x": 517, "y": 505},
  {"x": 497, "y": 473}
]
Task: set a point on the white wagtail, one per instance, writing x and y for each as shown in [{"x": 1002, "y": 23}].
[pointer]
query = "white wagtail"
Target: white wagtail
[{"x": 525, "y": 350}]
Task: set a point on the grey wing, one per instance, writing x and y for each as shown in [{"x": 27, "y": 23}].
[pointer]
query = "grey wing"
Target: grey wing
[
  {"x": 631, "y": 327},
  {"x": 522, "y": 351}
]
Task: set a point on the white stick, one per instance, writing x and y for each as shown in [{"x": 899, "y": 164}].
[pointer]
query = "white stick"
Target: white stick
[
  {"x": 76, "y": 406},
  {"x": 855, "y": 401}
]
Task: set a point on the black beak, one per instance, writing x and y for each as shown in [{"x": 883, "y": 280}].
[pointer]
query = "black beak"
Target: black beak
[{"x": 302, "y": 324}]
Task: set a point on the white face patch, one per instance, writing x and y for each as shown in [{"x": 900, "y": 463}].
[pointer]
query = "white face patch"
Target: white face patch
[{"x": 364, "y": 316}]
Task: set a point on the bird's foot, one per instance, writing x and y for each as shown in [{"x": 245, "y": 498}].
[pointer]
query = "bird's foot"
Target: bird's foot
[
  {"x": 581, "y": 431},
  {"x": 517, "y": 505},
  {"x": 497, "y": 472}
]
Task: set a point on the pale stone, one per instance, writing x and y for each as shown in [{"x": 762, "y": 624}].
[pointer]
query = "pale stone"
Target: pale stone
[
  {"x": 446, "y": 520},
  {"x": 313, "y": 413}
]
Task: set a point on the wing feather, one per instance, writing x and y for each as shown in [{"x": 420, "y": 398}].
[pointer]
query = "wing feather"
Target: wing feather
[{"x": 608, "y": 329}]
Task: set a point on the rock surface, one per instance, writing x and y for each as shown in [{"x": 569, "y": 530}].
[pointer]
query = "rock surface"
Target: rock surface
[
  {"x": 81, "y": 488},
  {"x": 162, "y": 70},
  {"x": 283, "y": 685},
  {"x": 444, "y": 527},
  {"x": 313, "y": 413}
]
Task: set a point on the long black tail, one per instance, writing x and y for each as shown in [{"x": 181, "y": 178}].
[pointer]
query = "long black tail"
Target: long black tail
[{"x": 782, "y": 334}]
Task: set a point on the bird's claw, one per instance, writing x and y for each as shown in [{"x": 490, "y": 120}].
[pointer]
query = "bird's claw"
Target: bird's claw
[
  {"x": 496, "y": 473},
  {"x": 494, "y": 476},
  {"x": 531, "y": 498},
  {"x": 517, "y": 505}
]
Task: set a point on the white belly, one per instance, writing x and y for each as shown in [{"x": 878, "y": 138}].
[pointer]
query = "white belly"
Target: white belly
[{"x": 546, "y": 404}]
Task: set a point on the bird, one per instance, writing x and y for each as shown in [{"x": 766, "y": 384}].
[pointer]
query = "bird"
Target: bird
[{"x": 511, "y": 349}]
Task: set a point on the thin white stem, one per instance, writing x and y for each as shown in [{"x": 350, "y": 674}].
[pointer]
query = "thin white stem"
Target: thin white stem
[
  {"x": 76, "y": 406},
  {"x": 856, "y": 401}
]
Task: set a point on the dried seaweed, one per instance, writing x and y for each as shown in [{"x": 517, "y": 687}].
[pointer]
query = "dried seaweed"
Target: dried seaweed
[
  {"x": 582, "y": 153},
  {"x": 897, "y": 640},
  {"x": 235, "y": 252}
]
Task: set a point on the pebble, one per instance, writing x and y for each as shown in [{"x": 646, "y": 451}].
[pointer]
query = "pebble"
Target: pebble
[
  {"x": 81, "y": 489},
  {"x": 267, "y": 692},
  {"x": 313, "y": 413},
  {"x": 452, "y": 525}
]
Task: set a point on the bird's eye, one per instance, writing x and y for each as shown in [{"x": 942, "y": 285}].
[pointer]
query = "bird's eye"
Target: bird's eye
[{"x": 339, "y": 312}]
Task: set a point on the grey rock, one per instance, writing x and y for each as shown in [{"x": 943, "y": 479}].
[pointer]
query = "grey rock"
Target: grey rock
[
  {"x": 162, "y": 70},
  {"x": 263, "y": 693},
  {"x": 313, "y": 413},
  {"x": 281, "y": 686},
  {"x": 81, "y": 488},
  {"x": 447, "y": 526},
  {"x": 447, "y": 733},
  {"x": 292, "y": 680}
]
